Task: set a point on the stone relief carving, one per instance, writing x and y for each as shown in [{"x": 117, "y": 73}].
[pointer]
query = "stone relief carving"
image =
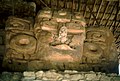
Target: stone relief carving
[
  {"x": 103, "y": 38},
  {"x": 58, "y": 40}
]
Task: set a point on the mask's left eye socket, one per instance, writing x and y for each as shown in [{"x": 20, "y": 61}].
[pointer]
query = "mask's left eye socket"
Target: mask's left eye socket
[{"x": 24, "y": 41}]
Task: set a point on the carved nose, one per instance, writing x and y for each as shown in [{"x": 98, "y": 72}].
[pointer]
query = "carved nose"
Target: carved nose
[{"x": 63, "y": 34}]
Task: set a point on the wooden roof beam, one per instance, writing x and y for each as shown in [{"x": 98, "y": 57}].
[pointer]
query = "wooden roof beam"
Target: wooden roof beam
[
  {"x": 92, "y": 11},
  {"x": 110, "y": 15},
  {"x": 78, "y": 9},
  {"x": 116, "y": 28},
  {"x": 117, "y": 11},
  {"x": 85, "y": 8},
  {"x": 104, "y": 12},
  {"x": 118, "y": 44},
  {"x": 44, "y": 3},
  {"x": 98, "y": 11},
  {"x": 117, "y": 41}
]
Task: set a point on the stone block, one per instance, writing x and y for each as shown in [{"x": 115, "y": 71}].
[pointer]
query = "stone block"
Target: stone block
[
  {"x": 82, "y": 80},
  {"x": 66, "y": 80},
  {"x": 70, "y": 71},
  {"x": 77, "y": 77},
  {"x": 46, "y": 14},
  {"x": 37, "y": 80},
  {"x": 62, "y": 16},
  {"x": 105, "y": 78},
  {"x": 29, "y": 74},
  {"x": 28, "y": 78},
  {"x": 45, "y": 79},
  {"x": 52, "y": 75},
  {"x": 117, "y": 78},
  {"x": 66, "y": 76},
  {"x": 39, "y": 74},
  {"x": 6, "y": 76},
  {"x": 16, "y": 76},
  {"x": 91, "y": 76}
]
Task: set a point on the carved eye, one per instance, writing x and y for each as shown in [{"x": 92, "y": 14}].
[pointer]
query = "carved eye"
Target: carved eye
[
  {"x": 93, "y": 48},
  {"x": 23, "y": 43}
]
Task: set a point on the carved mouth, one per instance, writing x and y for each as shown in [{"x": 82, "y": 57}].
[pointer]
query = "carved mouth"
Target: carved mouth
[{"x": 63, "y": 47}]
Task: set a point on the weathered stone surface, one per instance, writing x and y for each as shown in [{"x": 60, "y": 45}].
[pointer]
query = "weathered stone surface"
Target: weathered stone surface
[
  {"x": 16, "y": 76},
  {"x": 82, "y": 80},
  {"x": 67, "y": 76},
  {"x": 37, "y": 80},
  {"x": 77, "y": 77},
  {"x": 90, "y": 76},
  {"x": 65, "y": 80},
  {"x": 70, "y": 71},
  {"x": 117, "y": 78},
  {"x": 44, "y": 78},
  {"x": 46, "y": 14},
  {"x": 105, "y": 78},
  {"x": 112, "y": 75},
  {"x": 6, "y": 76},
  {"x": 29, "y": 74},
  {"x": 58, "y": 40},
  {"x": 100, "y": 36},
  {"x": 39, "y": 74},
  {"x": 62, "y": 16},
  {"x": 28, "y": 79},
  {"x": 53, "y": 75}
]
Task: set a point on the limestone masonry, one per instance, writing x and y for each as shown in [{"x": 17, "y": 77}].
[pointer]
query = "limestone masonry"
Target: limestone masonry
[{"x": 52, "y": 75}]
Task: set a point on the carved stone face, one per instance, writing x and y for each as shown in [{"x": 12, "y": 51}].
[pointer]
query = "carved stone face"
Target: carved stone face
[
  {"x": 65, "y": 35},
  {"x": 101, "y": 39},
  {"x": 56, "y": 42}
]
